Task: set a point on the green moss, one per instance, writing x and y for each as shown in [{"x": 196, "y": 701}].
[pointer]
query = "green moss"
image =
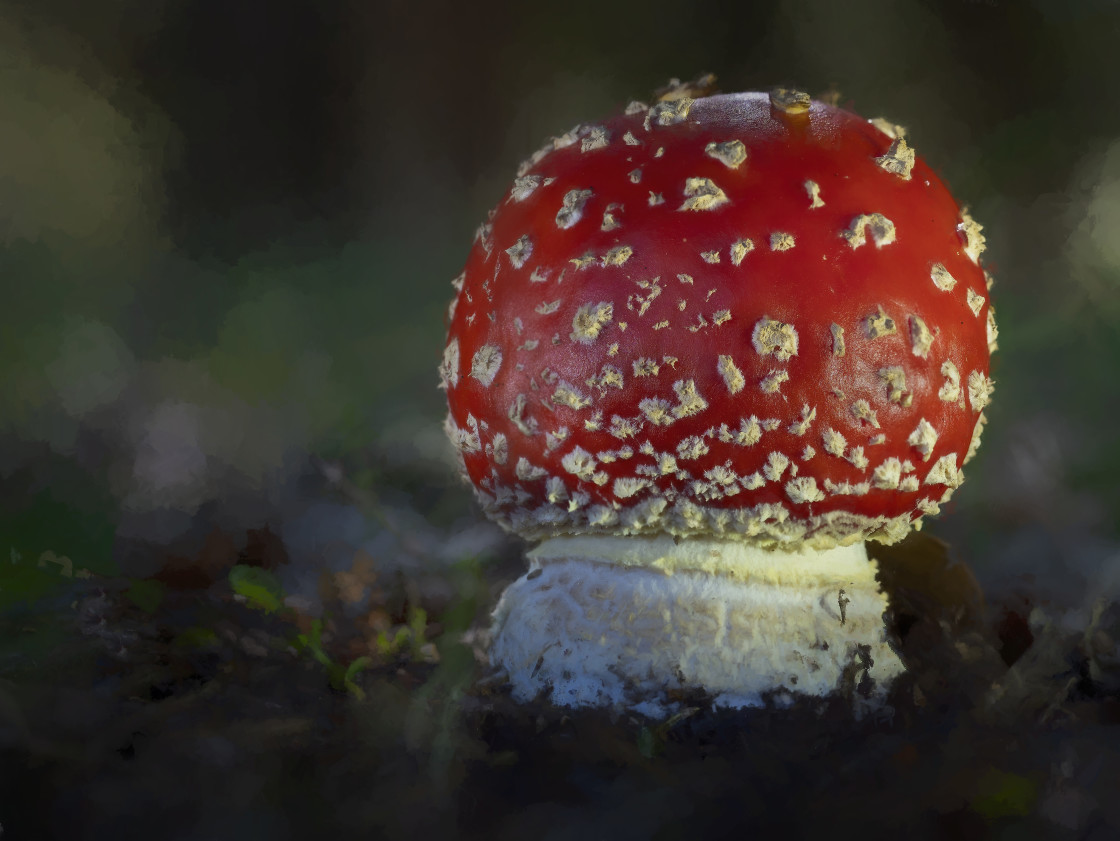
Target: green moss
[
  {"x": 1000, "y": 794},
  {"x": 259, "y": 587}
]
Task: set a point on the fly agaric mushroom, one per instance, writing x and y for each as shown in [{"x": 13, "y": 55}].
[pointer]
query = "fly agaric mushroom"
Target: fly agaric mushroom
[{"x": 702, "y": 352}]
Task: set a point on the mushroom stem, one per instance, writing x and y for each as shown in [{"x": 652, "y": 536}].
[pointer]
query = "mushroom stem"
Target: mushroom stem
[{"x": 623, "y": 621}]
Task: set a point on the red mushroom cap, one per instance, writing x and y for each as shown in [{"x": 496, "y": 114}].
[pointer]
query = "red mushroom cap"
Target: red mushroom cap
[{"x": 739, "y": 315}]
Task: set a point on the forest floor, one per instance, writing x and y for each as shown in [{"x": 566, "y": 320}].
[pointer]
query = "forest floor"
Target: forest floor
[{"x": 207, "y": 702}]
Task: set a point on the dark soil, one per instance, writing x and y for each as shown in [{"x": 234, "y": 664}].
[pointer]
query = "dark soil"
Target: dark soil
[{"x": 135, "y": 724}]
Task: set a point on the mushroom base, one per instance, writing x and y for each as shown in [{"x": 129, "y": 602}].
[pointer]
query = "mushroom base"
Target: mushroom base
[{"x": 634, "y": 622}]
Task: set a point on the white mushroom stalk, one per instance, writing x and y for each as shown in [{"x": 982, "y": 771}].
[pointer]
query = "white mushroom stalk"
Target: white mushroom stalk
[{"x": 634, "y": 621}]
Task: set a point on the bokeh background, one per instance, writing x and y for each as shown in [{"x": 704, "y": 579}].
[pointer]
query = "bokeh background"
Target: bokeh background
[{"x": 227, "y": 231}]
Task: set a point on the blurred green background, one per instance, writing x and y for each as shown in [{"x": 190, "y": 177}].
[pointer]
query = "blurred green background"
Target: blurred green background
[{"x": 227, "y": 232}]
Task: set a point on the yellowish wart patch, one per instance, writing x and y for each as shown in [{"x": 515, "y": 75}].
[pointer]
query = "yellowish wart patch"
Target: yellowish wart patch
[
  {"x": 748, "y": 434},
  {"x": 945, "y": 472},
  {"x": 801, "y": 425},
  {"x": 879, "y": 324},
  {"x": 923, "y": 439},
  {"x": 499, "y": 448},
  {"x": 837, "y": 340},
  {"x": 950, "y": 390},
  {"x": 833, "y": 442},
  {"x": 895, "y": 378},
  {"x": 691, "y": 403},
  {"x": 571, "y": 208},
  {"x": 863, "y": 412},
  {"x": 974, "y": 239},
  {"x": 669, "y": 113},
  {"x": 856, "y": 457},
  {"x": 624, "y": 428},
  {"x": 847, "y": 488},
  {"x": 888, "y": 128},
  {"x": 772, "y": 382},
  {"x": 899, "y": 159},
  {"x": 692, "y": 447},
  {"x": 975, "y": 302},
  {"x": 881, "y": 228},
  {"x": 527, "y": 472},
  {"x": 627, "y": 486},
  {"x": 610, "y": 217},
  {"x": 920, "y": 337},
  {"x": 449, "y": 368},
  {"x": 516, "y": 414},
  {"x": 589, "y": 322},
  {"x": 609, "y": 377},
  {"x": 659, "y": 412},
  {"x": 641, "y": 303},
  {"x": 814, "y": 191},
  {"x": 579, "y": 463},
  {"x": 803, "y": 489},
  {"x": 781, "y": 241},
  {"x": 774, "y": 337},
  {"x": 977, "y": 431},
  {"x": 790, "y": 101},
  {"x": 617, "y": 256},
  {"x": 979, "y": 391},
  {"x": 886, "y": 476},
  {"x": 731, "y": 153},
  {"x": 568, "y": 395},
  {"x": 776, "y": 464},
  {"x": 731, "y": 374},
  {"x": 520, "y": 251},
  {"x": 941, "y": 278},
  {"x": 597, "y": 138},
  {"x": 702, "y": 194},
  {"x": 484, "y": 367},
  {"x": 741, "y": 249},
  {"x": 523, "y": 187}
]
